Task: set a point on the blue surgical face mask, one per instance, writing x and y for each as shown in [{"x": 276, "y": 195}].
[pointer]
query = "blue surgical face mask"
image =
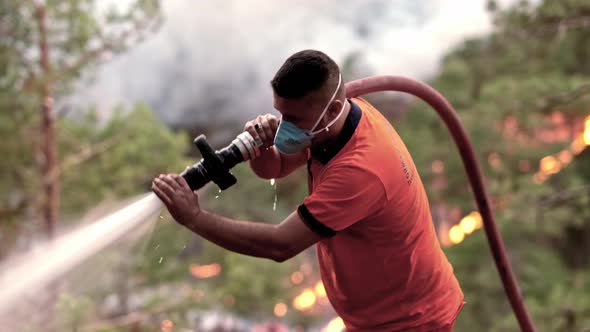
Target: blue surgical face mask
[{"x": 291, "y": 139}]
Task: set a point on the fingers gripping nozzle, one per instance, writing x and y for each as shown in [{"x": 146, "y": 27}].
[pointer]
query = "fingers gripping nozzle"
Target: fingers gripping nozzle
[{"x": 215, "y": 165}]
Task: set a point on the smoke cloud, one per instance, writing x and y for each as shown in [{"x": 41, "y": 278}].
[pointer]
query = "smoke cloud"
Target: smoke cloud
[{"x": 212, "y": 61}]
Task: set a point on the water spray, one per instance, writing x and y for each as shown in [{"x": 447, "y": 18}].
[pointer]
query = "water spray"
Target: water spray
[
  {"x": 54, "y": 259},
  {"x": 47, "y": 262}
]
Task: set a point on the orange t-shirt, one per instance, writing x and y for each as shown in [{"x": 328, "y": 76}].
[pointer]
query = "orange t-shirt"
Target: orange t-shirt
[{"x": 380, "y": 260}]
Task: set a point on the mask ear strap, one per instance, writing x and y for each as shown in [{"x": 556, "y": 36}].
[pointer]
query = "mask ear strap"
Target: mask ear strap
[
  {"x": 327, "y": 127},
  {"x": 328, "y": 105}
]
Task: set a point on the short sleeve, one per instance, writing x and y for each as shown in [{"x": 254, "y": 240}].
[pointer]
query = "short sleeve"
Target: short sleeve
[{"x": 345, "y": 196}]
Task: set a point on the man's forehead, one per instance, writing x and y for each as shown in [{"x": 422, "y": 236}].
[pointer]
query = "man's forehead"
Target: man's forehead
[{"x": 289, "y": 106}]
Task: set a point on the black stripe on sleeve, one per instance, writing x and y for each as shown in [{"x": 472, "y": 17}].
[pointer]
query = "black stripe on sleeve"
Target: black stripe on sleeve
[{"x": 313, "y": 223}]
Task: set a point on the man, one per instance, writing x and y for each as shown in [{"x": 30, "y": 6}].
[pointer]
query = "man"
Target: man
[{"x": 367, "y": 211}]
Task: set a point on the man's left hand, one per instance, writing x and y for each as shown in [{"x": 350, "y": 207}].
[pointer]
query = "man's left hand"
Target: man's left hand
[{"x": 175, "y": 193}]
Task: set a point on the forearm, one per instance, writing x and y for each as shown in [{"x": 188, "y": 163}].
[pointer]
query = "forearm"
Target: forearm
[
  {"x": 268, "y": 165},
  {"x": 248, "y": 238}
]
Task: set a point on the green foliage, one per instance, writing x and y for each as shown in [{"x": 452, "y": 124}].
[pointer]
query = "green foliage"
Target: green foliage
[
  {"x": 530, "y": 67},
  {"x": 79, "y": 36},
  {"x": 72, "y": 311},
  {"x": 138, "y": 147}
]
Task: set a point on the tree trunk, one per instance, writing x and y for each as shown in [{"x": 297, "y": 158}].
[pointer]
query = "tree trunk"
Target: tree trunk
[
  {"x": 48, "y": 162},
  {"x": 50, "y": 177}
]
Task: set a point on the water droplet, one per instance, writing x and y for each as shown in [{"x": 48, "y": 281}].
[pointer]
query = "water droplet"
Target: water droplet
[
  {"x": 216, "y": 196},
  {"x": 161, "y": 259},
  {"x": 219, "y": 191},
  {"x": 274, "y": 205},
  {"x": 161, "y": 217},
  {"x": 272, "y": 182},
  {"x": 156, "y": 248}
]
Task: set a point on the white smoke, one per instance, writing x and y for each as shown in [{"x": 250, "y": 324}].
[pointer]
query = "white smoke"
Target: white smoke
[{"x": 212, "y": 60}]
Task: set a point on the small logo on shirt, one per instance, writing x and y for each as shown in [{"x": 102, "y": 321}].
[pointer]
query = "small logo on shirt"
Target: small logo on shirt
[{"x": 409, "y": 176}]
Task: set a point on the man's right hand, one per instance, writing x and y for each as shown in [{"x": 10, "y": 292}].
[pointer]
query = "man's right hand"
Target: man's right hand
[
  {"x": 264, "y": 128},
  {"x": 271, "y": 164}
]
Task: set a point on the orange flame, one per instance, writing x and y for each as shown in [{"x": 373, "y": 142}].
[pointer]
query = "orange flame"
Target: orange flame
[
  {"x": 280, "y": 309},
  {"x": 456, "y": 234},
  {"x": 586, "y": 135},
  {"x": 305, "y": 300},
  {"x": 550, "y": 165},
  {"x": 565, "y": 157},
  {"x": 205, "y": 271},
  {"x": 579, "y": 144},
  {"x": 466, "y": 226},
  {"x": 319, "y": 289},
  {"x": 335, "y": 325}
]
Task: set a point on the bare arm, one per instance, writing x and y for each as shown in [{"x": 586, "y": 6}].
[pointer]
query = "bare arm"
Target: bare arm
[
  {"x": 271, "y": 164},
  {"x": 276, "y": 242}
]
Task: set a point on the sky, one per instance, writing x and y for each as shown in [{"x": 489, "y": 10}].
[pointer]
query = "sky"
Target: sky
[{"x": 213, "y": 60}]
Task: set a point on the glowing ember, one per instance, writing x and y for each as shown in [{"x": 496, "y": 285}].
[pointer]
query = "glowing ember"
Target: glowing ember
[
  {"x": 579, "y": 144},
  {"x": 297, "y": 277},
  {"x": 565, "y": 157},
  {"x": 456, "y": 234},
  {"x": 280, "y": 309},
  {"x": 335, "y": 325},
  {"x": 468, "y": 224},
  {"x": 550, "y": 165},
  {"x": 586, "y": 135},
  {"x": 319, "y": 289},
  {"x": 305, "y": 300},
  {"x": 540, "y": 177},
  {"x": 166, "y": 326},
  {"x": 205, "y": 271},
  {"x": 478, "y": 219}
]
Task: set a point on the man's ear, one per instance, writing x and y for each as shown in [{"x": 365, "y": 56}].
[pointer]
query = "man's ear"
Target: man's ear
[{"x": 335, "y": 108}]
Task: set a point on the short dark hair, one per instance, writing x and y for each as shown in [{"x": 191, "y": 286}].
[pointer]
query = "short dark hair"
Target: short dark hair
[{"x": 304, "y": 72}]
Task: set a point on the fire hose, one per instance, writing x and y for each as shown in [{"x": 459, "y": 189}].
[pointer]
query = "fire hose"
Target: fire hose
[{"x": 215, "y": 167}]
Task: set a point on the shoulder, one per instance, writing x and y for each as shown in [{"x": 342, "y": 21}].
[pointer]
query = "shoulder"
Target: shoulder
[{"x": 353, "y": 175}]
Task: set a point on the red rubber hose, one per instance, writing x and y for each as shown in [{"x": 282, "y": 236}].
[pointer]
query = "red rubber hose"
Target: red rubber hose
[{"x": 449, "y": 116}]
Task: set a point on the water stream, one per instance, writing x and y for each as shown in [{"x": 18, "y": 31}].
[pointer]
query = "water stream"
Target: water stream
[{"x": 30, "y": 272}]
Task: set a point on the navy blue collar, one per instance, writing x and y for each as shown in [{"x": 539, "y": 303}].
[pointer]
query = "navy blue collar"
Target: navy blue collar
[{"x": 327, "y": 151}]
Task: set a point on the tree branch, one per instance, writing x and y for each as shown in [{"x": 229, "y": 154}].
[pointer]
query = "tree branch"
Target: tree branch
[
  {"x": 126, "y": 38},
  {"x": 540, "y": 28},
  {"x": 86, "y": 154},
  {"x": 562, "y": 196},
  {"x": 565, "y": 98}
]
